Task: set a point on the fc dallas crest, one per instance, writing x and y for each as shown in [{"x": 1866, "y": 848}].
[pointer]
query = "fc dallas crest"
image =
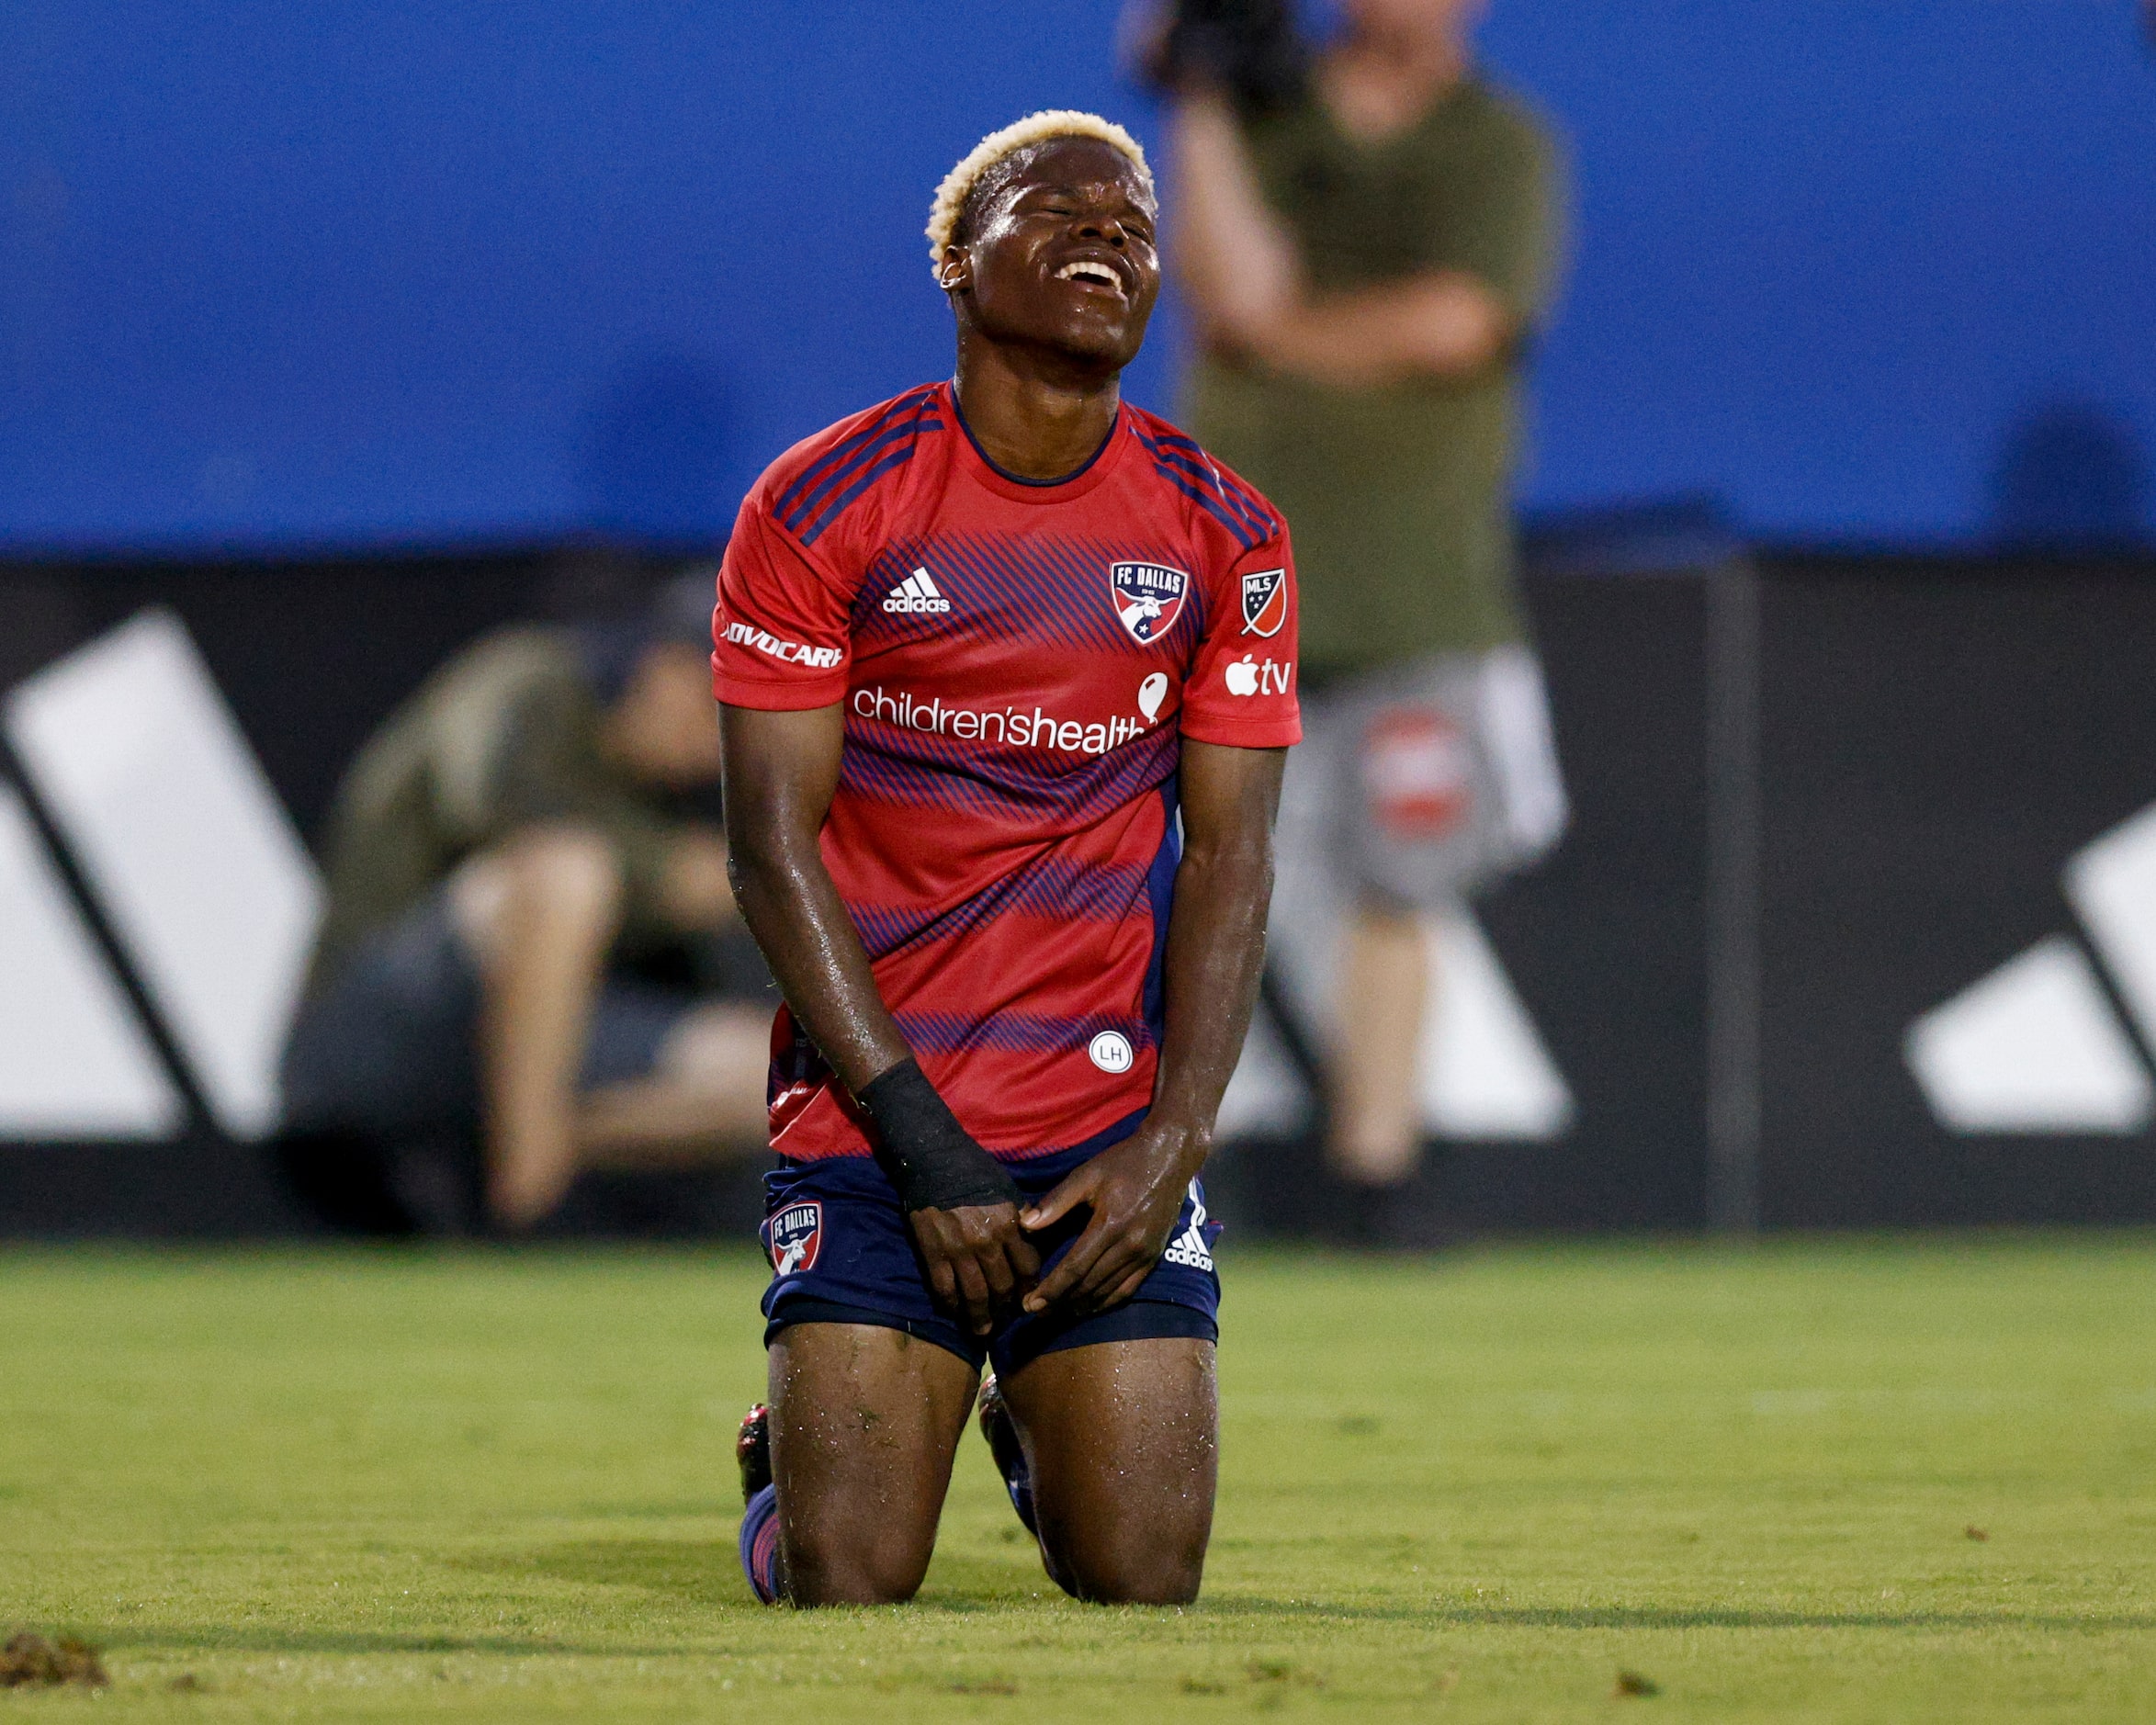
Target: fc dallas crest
[
  {"x": 794, "y": 1237},
  {"x": 1148, "y": 598}
]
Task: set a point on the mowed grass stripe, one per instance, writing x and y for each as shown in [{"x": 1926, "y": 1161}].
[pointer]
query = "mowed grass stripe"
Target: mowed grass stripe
[{"x": 1846, "y": 1479}]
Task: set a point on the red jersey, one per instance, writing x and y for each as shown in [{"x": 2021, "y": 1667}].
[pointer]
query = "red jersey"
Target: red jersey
[{"x": 1019, "y": 663}]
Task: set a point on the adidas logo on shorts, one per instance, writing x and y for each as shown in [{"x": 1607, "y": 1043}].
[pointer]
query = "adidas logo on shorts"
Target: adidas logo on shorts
[
  {"x": 1189, "y": 1247},
  {"x": 916, "y": 592}
]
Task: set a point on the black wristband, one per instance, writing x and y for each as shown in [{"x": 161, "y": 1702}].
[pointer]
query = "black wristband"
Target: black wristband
[{"x": 930, "y": 1157}]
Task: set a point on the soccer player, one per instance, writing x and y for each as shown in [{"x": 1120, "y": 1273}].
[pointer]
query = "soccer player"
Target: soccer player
[{"x": 1007, "y": 677}]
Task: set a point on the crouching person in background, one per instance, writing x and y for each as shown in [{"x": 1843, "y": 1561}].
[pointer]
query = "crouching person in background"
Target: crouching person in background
[{"x": 531, "y": 963}]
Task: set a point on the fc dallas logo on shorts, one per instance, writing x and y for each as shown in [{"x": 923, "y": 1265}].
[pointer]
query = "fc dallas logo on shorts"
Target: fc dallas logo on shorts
[
  {"x": 1148, "y": 598},
  {"x": 1265, "y": 601},
  {"x": 793, "y": 1237}
]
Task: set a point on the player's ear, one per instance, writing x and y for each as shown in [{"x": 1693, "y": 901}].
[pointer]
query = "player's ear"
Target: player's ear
[{"x": 955, "y": 274}]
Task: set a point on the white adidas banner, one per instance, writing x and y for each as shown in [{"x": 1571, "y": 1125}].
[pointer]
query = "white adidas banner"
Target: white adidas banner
[
  {"x": 193, "y": 864},
  {"x": 2036, "y": 1047},
  {"x": 73, "y": 1061},
  {"x": 1483, "y": 1071}
]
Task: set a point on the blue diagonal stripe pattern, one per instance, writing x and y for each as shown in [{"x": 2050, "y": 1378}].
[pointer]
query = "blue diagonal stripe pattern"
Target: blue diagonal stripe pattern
[
  {"x": 1051, "y": 886},
  {"x": 1173, "y": 446},
  {"x": 952, "y": 1032},
  {"x": 814, "y": 479},
  {"x": 886, "y": 765},
  {"x": 820, "y": 494},
  {"x": 1045, "y": 586},
  {"x": 1198, "y": 480}
]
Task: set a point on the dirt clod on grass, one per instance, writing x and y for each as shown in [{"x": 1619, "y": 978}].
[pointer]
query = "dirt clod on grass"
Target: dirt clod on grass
[
  {"x": 1633, "y": 1683},
  {"x": 29, "y": 1658}
]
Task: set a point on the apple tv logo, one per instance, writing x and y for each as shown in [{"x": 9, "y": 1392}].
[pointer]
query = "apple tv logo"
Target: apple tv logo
[{"x": 1246, "y": 676}]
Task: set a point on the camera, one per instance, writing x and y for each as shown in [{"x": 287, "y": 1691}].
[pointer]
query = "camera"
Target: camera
[{"x": 1249, "y": 49}]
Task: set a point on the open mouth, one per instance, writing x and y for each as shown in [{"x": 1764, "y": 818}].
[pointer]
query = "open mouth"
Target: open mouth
[{"x": 1096, "y": 274}]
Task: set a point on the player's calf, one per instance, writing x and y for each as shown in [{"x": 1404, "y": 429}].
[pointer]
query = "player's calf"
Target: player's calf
[
  {"x": 864, "y": 1421},
  {"x": 794, "y": 1563},
  {"x": 1122, "y": 1439}
]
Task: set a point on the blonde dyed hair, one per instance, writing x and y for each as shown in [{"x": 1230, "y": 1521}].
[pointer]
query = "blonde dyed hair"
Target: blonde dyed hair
[{"x": 1054, "y": 122}]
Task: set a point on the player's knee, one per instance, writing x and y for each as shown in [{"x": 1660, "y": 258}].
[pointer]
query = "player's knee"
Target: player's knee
[
  {"x": 1146, "y": 1581},
  {"x": 833, "y": 1566},
  {"x": 1134, "y": 1571}
]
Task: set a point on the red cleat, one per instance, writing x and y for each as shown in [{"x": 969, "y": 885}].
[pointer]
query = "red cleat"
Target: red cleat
[{"x": 753, "y": 1451}]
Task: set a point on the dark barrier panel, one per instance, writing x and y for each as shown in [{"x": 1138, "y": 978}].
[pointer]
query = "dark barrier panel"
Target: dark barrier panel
[
  {"x": 312, "y": 654},
  {"x": 1607, "y": 940},
  {"x": 1813, "y": 799},
  {"x": 1939, "y": 738}
]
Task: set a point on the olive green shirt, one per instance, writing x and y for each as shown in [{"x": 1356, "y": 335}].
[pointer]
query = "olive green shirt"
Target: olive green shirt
[
  {"x": 1399, "y": 497},
  {"x": 504, "y": 735}
]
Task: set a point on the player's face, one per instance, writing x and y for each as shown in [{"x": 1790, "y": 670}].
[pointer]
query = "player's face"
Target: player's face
[{"x": 1063, "y": 255}]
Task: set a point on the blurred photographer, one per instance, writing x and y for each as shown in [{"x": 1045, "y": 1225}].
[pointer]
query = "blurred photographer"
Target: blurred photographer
[
  {"x": 531, "y": 963},
  {"x": 1366, "y": 234}
]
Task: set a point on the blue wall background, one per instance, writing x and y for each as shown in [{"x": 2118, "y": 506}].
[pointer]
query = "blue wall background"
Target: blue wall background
[{"x": 344, "y": 274}]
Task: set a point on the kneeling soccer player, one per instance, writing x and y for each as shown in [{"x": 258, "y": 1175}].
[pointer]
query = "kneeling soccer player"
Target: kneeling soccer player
[{"x": 1006, "y": 670}]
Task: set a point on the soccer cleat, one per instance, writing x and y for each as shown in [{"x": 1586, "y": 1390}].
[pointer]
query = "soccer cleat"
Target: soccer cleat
[
  {"x": 753, "y": 1451},
  {"x": 759, "y": 1547},
  {"x": 1001, "y": 1431},
  {"x": 760, "y": 1516}
]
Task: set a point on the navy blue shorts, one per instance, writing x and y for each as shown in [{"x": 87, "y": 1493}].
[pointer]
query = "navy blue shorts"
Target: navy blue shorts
[{"x": 841, "y": 1253}]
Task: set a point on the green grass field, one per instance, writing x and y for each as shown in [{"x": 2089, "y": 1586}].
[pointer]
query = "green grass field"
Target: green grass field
[{"x": 387, "y": 1486}]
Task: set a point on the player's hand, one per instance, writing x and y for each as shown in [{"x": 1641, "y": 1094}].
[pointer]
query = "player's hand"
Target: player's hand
[
  {"x": 978, "y": 1260},
  {"x": 1134, "y": 1191}
]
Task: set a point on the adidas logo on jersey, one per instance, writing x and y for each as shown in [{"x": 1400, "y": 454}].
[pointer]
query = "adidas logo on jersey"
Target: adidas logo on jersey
[{"x": 916, "y": 592}]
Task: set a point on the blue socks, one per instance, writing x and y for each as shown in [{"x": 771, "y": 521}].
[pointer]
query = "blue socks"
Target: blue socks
[{"x": 760, "y": 1546}]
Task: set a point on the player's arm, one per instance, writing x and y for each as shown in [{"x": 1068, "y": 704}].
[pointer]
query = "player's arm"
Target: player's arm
[
  {"x": 782, "y": 768},
  {"x": 1215, "y": 951},
  {"x": 1239, "y": 268}
]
